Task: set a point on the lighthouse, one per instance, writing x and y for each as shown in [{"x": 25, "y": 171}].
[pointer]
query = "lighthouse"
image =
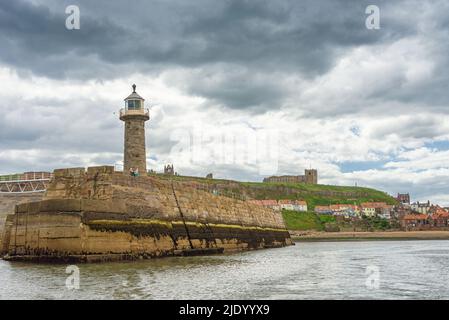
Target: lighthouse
[{"x": 134, "y": 115}]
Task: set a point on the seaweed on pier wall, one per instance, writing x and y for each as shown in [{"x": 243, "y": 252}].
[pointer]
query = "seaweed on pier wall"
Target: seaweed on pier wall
[{"x": 101, "y": 212}]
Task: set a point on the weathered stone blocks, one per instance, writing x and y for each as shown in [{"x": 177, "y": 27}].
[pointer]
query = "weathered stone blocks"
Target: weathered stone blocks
[
  {"x": 135, "y": 153},
  {"x": 135, "y": 216}
]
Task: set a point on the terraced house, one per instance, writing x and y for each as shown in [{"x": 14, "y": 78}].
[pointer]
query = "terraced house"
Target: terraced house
[
  {"x": 284, "y": 204},
  {"x": 439, "y": 219},
  {"x": 293, "y": 205},
  {"x": 414, "y": 222},
  {"x": 376, "y": 209}
]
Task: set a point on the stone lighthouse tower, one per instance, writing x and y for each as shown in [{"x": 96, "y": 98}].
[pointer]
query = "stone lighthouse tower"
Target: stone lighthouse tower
[{"x": 134, "y": 115}]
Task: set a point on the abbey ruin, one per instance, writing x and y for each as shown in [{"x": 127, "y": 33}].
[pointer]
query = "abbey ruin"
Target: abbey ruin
[
  {"x": 310, "y": 176},
  {"x": 100, "y": 214}
]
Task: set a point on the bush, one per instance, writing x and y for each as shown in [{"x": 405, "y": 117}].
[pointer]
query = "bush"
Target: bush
[
  {"x": 326, "y": 218},
  {"x": 331, "y": 227}
]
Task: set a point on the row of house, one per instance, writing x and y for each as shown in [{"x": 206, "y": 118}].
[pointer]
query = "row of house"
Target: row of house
[
  {"x": 439, "y": 218},
  {"x": 293, "y": 205},
  {"x": 369, "y": 209},
  {"x": 419, "y": 207},
  {"x": 420, "y": 215},
  {"x": 337, "y": 209},
  {"x": 422, "y": 207}
]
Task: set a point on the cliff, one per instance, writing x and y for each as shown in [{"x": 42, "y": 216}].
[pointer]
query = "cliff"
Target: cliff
[{"x": 105, "y": 215}]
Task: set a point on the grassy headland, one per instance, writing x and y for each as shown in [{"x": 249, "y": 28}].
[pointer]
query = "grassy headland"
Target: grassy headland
[{"x": 313, "y": 194}]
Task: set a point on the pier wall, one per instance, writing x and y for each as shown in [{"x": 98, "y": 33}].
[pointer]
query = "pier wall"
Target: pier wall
[
  {"x": 9, "y": 200},
  {"x": 101, "y": 214}
]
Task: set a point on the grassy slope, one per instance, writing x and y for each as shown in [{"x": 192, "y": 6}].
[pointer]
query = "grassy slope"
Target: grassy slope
[
  {"x": 312, "y": 221},
  {"x": 302, "y": 220},
  {"x": 320, "y": 194},
  {"x": 313, "y": 194},
  {"x": 306, "y": 220}
]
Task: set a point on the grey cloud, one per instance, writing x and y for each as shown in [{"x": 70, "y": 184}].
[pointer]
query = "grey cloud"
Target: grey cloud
[
  {"x": 63, "y": 126},
  {"x": 261, "y": 37},
  {"x": 419, "y": 127},
  {"x": 233, "y": 87},
  {"x": 234, "y": 53},
  {"x": 284, "y": 35},
  {"x": 55, "y": 128}
]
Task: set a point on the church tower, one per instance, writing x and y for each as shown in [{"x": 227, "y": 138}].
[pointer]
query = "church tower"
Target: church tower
[
  {"x": 311, "y": 176},
  {"x": 134, "y": 115}
]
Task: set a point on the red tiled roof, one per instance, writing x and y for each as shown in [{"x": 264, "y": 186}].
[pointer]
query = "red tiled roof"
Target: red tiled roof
[
  {"x": 276, "y": 202},
  {"x": 415, "y": 217},
  {"x": 322, "y": 208},
  {"x": 342, "y": 206},
  {"x": 440, "y": 214},
  {"x": 374, "y": 205}
]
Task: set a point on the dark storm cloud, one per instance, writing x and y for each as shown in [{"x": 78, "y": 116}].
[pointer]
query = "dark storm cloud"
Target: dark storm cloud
[
  {"x": 34, "y": 38},
  {"x": 285, "y": 35},
  {"x": 118, "y": 38},
  {"x": 233, "y": 87},
  {"x": 253, "y": 56},
  {"x": 288, "y": 35}
]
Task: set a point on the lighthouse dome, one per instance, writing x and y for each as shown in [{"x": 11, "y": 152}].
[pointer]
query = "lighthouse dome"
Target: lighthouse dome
[{"x": 134, "y": 100}]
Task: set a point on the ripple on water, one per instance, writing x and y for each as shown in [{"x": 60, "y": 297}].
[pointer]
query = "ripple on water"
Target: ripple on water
[{"x": 321, "y": 270}]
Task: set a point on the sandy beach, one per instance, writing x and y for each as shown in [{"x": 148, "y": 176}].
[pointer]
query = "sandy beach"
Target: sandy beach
[{"x": 376, "y": 235}]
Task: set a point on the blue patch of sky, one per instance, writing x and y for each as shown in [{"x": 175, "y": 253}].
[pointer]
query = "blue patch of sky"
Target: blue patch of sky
[
  {"x": 350, "y": 166},
  {"x": 440, "y": 145}
]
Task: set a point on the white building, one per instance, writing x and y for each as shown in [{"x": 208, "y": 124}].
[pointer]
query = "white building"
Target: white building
[
  {"x": 422, "y": 208},
  {"x": 293, "y": 205}
]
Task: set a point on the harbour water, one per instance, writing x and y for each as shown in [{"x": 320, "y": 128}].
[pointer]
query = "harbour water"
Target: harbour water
[{"x": 313, "y": 270}]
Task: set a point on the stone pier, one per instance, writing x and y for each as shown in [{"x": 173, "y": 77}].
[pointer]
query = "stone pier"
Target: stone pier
[{"x": 100, "y": 215}]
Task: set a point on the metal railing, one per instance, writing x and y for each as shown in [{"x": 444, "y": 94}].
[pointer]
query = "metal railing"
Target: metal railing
[
  {"x": 27, "y": 176},
  {"x": 135, "y": 112},
  {"x": 27, "y": 182}
]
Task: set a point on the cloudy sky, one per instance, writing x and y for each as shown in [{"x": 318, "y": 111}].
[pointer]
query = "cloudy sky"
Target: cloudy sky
[{"x": 243, "y": 89}]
